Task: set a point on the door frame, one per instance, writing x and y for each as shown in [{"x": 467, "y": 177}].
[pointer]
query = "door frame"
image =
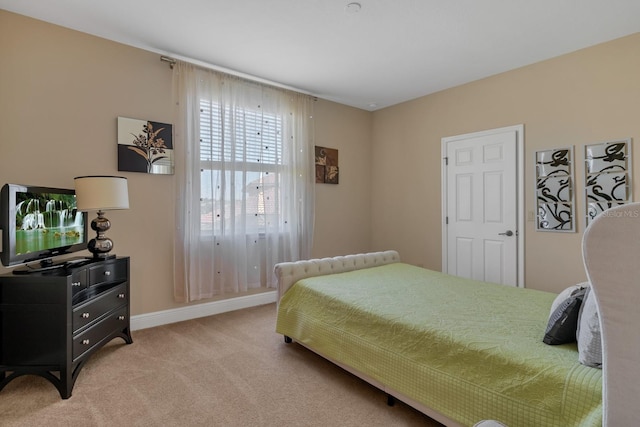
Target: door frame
[{"x": 520, "y": 196}]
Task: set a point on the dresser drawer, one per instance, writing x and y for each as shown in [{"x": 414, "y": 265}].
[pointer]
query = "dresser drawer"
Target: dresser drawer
[
  {"x": 99, "y": 306},
  {"x": 116, "y": 320},
  {"x": 108, "y": 272},
  {"x": 78, "y": 281}
]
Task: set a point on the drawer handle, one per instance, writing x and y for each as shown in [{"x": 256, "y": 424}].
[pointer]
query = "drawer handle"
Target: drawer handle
[
  {"x": 121, "y": 296},
  {"x": 85, "y": 342},
  {"x": 107, "y": 273},
  {"x": 85, "y": 315},
  {"x": 75, "y": 283},
  {"x": 120, "y": 317}
]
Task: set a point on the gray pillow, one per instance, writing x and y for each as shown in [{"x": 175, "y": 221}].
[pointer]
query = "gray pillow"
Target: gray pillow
[
  {"x": 588, "y": 332},
  {"x": 563, "y": 319}
]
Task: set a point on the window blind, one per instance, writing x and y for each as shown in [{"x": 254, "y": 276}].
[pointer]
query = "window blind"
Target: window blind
[{"x": 257, "y": 135}]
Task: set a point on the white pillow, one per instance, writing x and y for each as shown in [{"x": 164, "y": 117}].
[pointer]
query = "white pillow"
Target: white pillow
[{"x": 588, "y": 333}]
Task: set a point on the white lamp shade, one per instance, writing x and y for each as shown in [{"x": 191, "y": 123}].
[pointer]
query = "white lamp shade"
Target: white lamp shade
[{"x": 101, "y": 193}]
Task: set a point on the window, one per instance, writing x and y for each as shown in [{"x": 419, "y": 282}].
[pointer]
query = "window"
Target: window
[
  {"x": 251, "y": 140},
  {"x": 244, "y": 182}
]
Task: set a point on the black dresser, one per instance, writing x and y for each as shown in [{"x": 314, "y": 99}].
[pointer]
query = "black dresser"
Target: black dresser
[{"x": 52, "y": 321}]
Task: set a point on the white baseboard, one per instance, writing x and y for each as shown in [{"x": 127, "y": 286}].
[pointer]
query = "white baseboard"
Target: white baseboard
[{"x": 158, "y": 318}]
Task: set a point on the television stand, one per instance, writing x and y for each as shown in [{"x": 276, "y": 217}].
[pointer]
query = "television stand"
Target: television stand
[{"x": 52, "y": 321}]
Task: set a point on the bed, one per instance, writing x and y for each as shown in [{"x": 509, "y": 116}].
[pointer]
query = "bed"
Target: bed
[{"x": 462, "y": 351}]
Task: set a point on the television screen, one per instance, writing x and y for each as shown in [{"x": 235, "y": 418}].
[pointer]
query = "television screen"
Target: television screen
[{"x": 40, "y": 223}]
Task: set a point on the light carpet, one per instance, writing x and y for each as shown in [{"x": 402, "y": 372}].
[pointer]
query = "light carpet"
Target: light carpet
[{"x": 231, "y": 369}]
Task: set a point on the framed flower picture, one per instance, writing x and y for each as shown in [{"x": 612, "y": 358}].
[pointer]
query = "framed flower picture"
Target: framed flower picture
[{"x": 145, "y": 146}]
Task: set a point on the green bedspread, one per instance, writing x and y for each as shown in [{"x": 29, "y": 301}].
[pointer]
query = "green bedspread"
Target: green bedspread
[{"x": 468, "y": 350}]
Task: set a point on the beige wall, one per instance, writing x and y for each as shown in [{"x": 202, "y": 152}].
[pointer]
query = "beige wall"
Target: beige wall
[
  {"x": 585, "y": 97},
  {"x": 343, "y": 217},
  {"x": 61, "y": 92}
]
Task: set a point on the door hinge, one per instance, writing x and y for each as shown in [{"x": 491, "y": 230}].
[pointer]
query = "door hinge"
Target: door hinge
[
  {"x": 446, "y": 220},
  {"x": 446, "y": 161}
]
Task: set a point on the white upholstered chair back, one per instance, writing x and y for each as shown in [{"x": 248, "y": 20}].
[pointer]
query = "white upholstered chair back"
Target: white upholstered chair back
[{"x": 611, "y": 252}]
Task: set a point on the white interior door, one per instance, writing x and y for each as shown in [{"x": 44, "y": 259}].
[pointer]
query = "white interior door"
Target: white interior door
[{"x": 481, "y": 229}]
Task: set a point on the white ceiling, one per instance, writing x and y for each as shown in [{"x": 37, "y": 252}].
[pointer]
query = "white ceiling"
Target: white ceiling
[{"x": 388, "y": 52}]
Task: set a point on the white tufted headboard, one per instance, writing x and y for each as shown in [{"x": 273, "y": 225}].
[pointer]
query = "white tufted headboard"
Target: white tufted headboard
[
  {"x": 289, "y": 273},
  {"x": 611, "y": 252}
]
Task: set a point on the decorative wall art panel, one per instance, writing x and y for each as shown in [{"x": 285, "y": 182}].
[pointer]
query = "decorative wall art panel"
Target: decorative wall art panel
[
  {"x": 145, "y": 146},
  {"x": 553, "y": 162},
  {"x": 555, "y": 200},
  {"x": 556, "y": 216},
  {"x": 606, "y": 157},
  {"x": 327, "y": 165},
  {"x": 607, "y": 176},
  {"x": 555, "y": 188},
  {"x": 605, "y": 187}
]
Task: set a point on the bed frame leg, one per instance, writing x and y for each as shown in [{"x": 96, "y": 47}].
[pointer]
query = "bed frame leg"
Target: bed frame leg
[
  {"x": 287, "y": 339},
  {"x": 391, "y": 400}
]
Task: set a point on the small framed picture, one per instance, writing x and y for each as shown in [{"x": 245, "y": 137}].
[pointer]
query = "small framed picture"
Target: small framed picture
[
  {"x": 327, "y": 171},
  {"x": 145, "y": 146}
]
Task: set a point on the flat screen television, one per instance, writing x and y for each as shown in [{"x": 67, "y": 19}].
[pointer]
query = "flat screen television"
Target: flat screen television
[{"x": 39, "y": 223}]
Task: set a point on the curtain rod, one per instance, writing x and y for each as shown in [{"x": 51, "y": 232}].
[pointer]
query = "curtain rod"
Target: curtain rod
[{"x": 172, "y": 62}]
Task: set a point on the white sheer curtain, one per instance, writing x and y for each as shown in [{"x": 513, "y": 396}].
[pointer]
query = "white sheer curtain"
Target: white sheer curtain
[{"x": 245, "y": 182}]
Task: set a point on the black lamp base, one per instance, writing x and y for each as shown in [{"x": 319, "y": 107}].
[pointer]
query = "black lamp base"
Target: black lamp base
[
  {"x": 99, "y": 255},
  {"x": 101, "y": 245}
]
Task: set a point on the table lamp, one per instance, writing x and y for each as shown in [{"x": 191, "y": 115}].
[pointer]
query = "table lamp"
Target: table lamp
[{"x": 101, "y": 193}]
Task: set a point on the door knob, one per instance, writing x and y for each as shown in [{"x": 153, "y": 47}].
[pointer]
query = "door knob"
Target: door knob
[{"x": 507, "y": 233}]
